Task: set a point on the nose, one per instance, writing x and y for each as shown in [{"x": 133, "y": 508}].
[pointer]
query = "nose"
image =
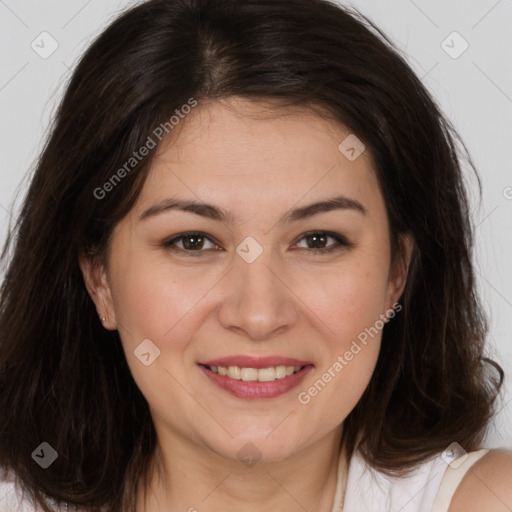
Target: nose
[{"x": 258, "y": 302}]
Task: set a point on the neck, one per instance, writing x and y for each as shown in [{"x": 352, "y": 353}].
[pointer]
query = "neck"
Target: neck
[{"x": 193, "y": 478}]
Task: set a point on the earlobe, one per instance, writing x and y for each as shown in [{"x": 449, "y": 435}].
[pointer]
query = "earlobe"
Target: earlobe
[{"x": 96, "y": 283}]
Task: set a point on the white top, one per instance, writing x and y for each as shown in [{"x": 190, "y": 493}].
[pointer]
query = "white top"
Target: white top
[
  {"x": 12, "y": 500},
  {"x": 429, "y": 488}
]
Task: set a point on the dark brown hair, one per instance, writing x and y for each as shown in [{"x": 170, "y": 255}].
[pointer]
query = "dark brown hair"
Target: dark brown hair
[{"x": 64, "y": 379}]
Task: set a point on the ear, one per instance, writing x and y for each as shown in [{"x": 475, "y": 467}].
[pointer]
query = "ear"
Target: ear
[
  {"x": 399, "y": 267},
  {"x": 96, "y": 282}
]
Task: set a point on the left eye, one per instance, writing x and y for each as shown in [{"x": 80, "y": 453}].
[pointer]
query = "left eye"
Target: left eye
[
  {"x": 316, "y": 241},
  {"x": 317, "y": 238}
]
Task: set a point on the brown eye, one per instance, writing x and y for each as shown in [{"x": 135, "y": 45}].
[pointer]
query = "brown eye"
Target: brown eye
[
  {"x": 190, "y": 242},
  {"x": 317, "y": 242},
  {"x": 193, "y": 242}
]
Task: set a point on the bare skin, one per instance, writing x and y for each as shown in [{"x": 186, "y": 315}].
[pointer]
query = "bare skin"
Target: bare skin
[
  {"x": 487, "y": 486},
  {"x": 290, "y": 301}
]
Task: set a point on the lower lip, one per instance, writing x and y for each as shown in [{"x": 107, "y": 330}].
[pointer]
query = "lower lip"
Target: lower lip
[{"x": 254, "y": 390}]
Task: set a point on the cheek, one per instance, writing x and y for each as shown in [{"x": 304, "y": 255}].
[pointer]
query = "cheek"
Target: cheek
[
  {"x": 348, "y": 299},
  {"x": 155, "y": 302},
  {"x": 152, "y": 298},
  {"x": 347, "y": 367},
  {"x": 350, "y": 302}
]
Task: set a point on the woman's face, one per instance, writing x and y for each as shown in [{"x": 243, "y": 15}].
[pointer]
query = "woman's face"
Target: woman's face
[{"x": 256, "y": 285}]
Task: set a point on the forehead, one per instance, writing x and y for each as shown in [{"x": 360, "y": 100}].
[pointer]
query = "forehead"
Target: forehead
[
  {"x": 236, "y": 152},
  {"x": 257, "y": 130}
]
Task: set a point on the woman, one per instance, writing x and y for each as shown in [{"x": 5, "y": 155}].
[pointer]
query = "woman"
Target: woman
[{"x": 242, "y": 278}]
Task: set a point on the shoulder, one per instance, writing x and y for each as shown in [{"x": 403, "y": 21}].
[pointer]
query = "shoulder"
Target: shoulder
[
  {"x": 487, "y": 485},
  {"x": 372, "y": 490}
]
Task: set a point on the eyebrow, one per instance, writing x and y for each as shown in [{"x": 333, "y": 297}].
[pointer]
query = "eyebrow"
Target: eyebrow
[{"x": 213, "y": 212}]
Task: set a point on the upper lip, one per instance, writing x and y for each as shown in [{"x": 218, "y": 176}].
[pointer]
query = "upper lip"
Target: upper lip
[{"x": 255, "y": 361}]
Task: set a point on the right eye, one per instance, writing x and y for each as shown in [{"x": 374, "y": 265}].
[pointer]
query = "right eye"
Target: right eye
[{"x": 191, "y": 242}]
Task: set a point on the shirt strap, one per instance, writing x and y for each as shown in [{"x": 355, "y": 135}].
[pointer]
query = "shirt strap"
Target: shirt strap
[{"x": 452, "y": 478}]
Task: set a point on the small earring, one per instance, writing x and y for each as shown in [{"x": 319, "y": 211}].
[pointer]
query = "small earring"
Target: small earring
[{"x": 103, "y": 319}]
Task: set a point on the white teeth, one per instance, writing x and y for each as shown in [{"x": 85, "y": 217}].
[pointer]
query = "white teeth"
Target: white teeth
[
  {"x": 234, "y": 372},
  {"x": 249, "y": 374},
  {"x": 255, "y": 374},
  {"x": 280, "y": 372},
  {"x": 267, "y": 374}
]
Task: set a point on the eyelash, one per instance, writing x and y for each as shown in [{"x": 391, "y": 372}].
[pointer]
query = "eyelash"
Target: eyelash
[{"x": 341, "y": 242}]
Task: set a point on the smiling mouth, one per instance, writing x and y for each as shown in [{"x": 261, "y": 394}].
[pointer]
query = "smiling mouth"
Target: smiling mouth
[
  {"x": 256, "y": 383},
  {"x": 245, "y": 374}
]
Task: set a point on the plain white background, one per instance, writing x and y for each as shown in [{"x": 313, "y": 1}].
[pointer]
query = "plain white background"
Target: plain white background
[{"x": 473, "y": 86}]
